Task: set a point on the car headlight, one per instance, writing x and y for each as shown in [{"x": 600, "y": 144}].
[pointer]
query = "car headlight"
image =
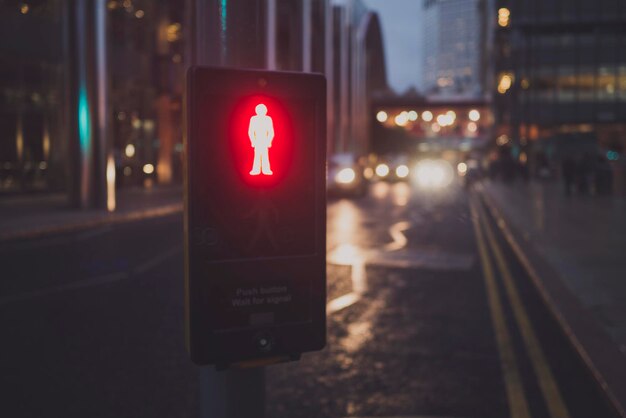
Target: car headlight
[
  {"x": 402, "y": 171},
  {"x": 382, "y": 170},
  {"x": 345, "y": 176},
  {"x": 461, "y": 168},
  {"x": 434, "y": 173}
]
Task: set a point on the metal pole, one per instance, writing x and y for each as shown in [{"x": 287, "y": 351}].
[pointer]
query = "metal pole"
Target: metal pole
[
  {"x": 87, "y": 81},
  {"x": 231, "y": 393},
  {"x": 271, "y": 35},
  {"x": 104, "y": 165},
  {"x": 307, "y": 39}
]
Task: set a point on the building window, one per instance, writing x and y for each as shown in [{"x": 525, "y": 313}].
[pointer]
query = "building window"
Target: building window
[
  {"x": 606, "y": 84},
  {"x": 32, "y": 136},
  {"x": 586, "y": 83}
]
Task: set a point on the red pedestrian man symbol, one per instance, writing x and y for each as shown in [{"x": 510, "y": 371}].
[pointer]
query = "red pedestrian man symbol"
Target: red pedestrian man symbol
[{"x": 261, "y": 134}]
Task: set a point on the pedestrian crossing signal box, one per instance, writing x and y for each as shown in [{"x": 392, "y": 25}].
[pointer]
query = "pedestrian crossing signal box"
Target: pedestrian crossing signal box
[{"x": 255, "y": 215}]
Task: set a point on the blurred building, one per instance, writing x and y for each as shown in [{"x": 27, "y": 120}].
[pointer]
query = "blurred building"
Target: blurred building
[
  {"x": 32, "y": 147},
  {"x": 91, "y": 90},
  {"x": 339, "y": 38},
  {"x": 71, "y": 67},
  {"x": 454, "y": 47},
  {"x": 358, "y": 74},
  {"x": 560, "y": 78},
  {"x": 281, "y": 35},
  {"x": 146, "y": 71}
]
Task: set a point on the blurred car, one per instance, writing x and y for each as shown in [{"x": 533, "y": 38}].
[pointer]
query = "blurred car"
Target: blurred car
[
  {"x": 393, "y": 168},
  {"x": 345, "y": 176},
  {"x": 469, "y": 171},
  {"x": 433, "y": 173}
]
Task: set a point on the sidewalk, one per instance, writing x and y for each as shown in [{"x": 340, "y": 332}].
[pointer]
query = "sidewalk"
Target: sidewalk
[
  {"x": 33, "y": 216},
  {"x": 580, "y": 241}
]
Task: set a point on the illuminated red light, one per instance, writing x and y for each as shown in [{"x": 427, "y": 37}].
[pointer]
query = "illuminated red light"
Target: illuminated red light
[
  {"x": 261, "y": 140},
  {"x": 261, "y": 134}
]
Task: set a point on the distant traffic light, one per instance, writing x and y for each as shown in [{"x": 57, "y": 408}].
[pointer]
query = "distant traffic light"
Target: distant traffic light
[{"x": 255, "y": 223}]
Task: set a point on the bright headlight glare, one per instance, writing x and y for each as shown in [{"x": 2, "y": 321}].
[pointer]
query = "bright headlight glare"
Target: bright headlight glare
[
  {"x": 433, "y": 174},
  {"x": 382, "y": 170},
  {"x": 345, "y": 176},
  {"x": 402, "y": 171}
]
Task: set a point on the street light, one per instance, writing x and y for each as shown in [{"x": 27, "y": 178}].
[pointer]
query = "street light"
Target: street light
[
  {"x": 506, "y": 81},
  {"x": 382, "y": 170},
  {"x": 402, "y": 119}
]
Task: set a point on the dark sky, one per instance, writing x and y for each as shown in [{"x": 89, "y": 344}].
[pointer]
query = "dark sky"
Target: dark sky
[{"x": 401, "y": 24}]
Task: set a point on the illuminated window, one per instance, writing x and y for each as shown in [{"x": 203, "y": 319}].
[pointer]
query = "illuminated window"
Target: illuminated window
[
  {"x": 505, "y": 83},
  {"x": 504, "y": 16},
  {"x": 621, "y": 81},
  {"x": 523, "y": 158},
  {"x": 502, "y": 140},
  {"x": 129, "y": 150},
  {"x": 605, "y": 83},
  {"x": 261, "y": 134},
  {"x": 173, "y": 32}
]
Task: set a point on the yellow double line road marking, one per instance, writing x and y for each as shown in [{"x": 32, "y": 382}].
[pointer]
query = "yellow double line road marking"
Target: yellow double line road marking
[
  {"x": 514, "y": 388},
  {"x": 517, "y": 400}
]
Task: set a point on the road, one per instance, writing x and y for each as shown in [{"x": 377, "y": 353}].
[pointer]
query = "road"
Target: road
[{"x": 429, "y": 314}]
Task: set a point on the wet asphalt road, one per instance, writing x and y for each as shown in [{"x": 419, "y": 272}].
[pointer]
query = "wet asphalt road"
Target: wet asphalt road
[
  {"x": 92, "y": 322},
  {"x": 419, "y": 341}
]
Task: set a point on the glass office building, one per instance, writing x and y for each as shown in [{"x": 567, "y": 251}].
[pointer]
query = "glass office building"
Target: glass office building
[
  {"x": 87, "y": 84},
  {"x": 560, "y": 76},
  {"x": 31, "y": 96},
  {"x": 452, "y": 47},
  {"x": 39, "y": 46}
]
